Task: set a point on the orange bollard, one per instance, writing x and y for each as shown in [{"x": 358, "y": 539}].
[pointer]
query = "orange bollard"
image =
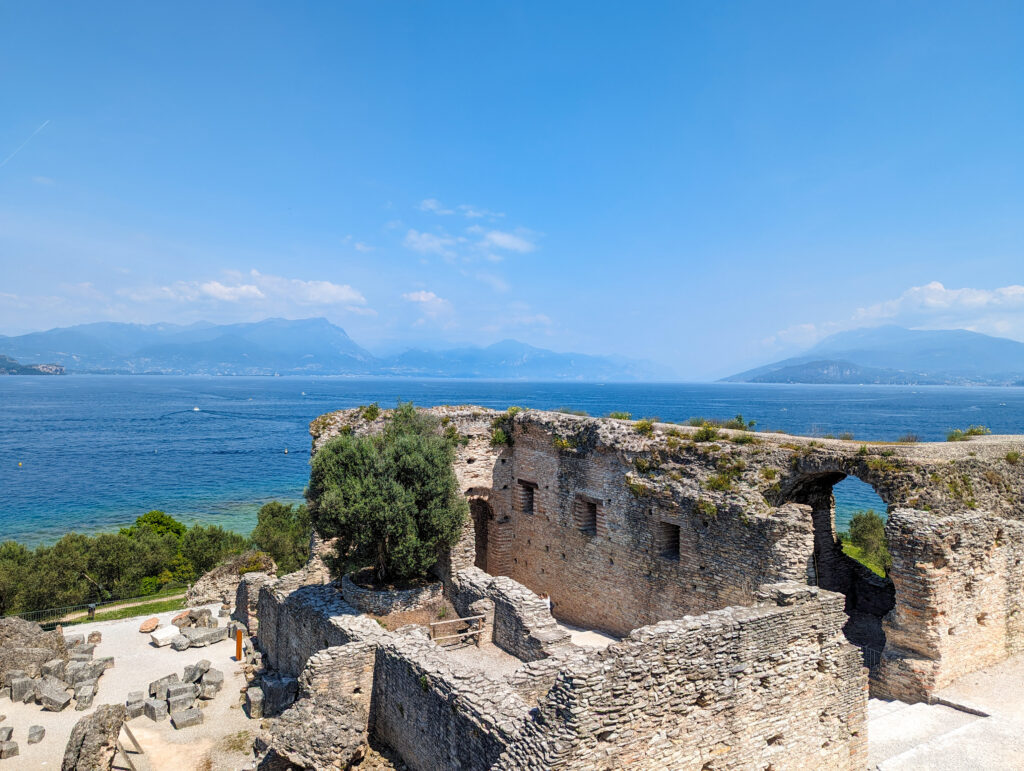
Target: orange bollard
[{"x": 238, "y": 645}]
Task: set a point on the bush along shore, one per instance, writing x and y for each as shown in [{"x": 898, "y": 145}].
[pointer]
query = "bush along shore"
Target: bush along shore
[{"x": 151, "y": 557}]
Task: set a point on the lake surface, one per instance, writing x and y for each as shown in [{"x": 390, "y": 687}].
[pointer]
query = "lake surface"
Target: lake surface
[{"x": 97, "y": 451}]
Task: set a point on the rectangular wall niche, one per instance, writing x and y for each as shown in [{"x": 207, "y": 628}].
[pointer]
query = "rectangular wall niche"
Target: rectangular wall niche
[
  {"x": 585, "y": 512},
  {"x": 666, "y": 540},
  {"x": 525, "y": 492}
]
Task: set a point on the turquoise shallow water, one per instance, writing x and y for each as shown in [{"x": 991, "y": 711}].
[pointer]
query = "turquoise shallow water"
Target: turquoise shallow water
[{"x": 97, "y": 451}]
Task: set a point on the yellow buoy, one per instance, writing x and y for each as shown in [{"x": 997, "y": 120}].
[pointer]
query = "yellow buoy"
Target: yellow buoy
[{"x": 19, "y": 462}]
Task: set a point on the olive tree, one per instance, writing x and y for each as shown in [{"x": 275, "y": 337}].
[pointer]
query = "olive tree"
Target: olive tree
[{"x": 390, "y": 499}]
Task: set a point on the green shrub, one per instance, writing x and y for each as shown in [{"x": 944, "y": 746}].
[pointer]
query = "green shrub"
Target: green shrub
[
  {"x": 370, "y": 412},
  {"x": 391, "y": 500},
  {"x": 283, "y": 531},
  {"x": 736, "y": 424},
  {"x": 867, "y": 533},
  {"x": 719, "y": 482},
  {"x": 571, "y": 411},
  {"x": 909, "y": 438},
  {"x": 621, "y": 415},
  {"x": 963, "y": 435},
  {"x": 499, "y": 437},
  {"x": 707, "y": 508},
  {"x": 1013, "y": 457},
  {"x": 706, "y": 433},
  {"x": 644, "y": 427},
  {"x": 846, "y": 436}
]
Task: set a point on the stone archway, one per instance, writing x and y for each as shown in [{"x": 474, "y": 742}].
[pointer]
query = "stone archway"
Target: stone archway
[{"x": 869, "y": 597}]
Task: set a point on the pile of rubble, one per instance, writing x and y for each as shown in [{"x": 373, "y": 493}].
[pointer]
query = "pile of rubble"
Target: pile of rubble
[
  {"x": 47, "y": 667},
  {"x": 178, "y": 697},
  {"x": 194, "y": 628}
]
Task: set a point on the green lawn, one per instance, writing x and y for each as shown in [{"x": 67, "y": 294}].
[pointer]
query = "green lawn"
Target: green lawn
[
  {"x": 855, "y": 552},
  {"x": 146, "y": 609}
]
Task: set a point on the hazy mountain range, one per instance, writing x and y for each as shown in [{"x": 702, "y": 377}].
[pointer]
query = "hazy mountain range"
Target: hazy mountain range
[
  {"x": 300, "y": 347},
  {"x": 894, "y": 355}
]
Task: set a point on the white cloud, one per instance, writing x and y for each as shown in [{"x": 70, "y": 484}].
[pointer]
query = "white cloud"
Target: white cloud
[
  {"x": 431, "y": 306},
  {"x": 434, "y": 206},
  {"x": 429, "y": 243},
  {"x": 363, "y": 247},
  {"x": 308, "y": 292},
  {"x": 511, "y": 242},
  {"x": 220, "y": 291},
  {"x": 997, "y": 311}
]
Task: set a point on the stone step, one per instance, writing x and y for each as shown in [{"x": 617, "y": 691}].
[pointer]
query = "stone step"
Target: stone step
[
  {"x": 901, "y": 729},
  {"x": 984, "y": 743}
]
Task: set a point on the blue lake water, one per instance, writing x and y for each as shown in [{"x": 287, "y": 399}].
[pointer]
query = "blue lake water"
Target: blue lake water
[{"x": 97, "y": 451}]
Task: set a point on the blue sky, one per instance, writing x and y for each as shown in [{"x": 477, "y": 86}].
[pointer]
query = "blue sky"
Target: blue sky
[{"x": 709, "y": 185}]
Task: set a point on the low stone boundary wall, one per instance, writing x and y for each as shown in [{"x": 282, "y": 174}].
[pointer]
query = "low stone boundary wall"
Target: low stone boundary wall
[{"x": 381, "y": 603}]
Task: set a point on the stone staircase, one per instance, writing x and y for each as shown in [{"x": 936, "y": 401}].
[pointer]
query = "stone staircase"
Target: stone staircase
[{"x": 897, "y": 732}]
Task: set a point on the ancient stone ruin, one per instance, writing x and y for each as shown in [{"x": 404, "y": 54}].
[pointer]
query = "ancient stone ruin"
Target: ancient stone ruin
[{"x": 747, "y": 639}]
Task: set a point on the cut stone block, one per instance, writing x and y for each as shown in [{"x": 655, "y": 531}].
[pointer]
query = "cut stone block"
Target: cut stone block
[
  {"x": 155, "y": 709},
  {"x": 135, "y": 697},
  {"x": 158, "y": 688},
  {"x": 202, "y": 636},
  {"x": 71, "y": 640},
  {"x": 55, "y": 668},
  {"x": 36, "y": 734},
  {"x": 254, "y": 703},
  {"x": 187, "y": 718},
  {"x": 182, "y": 689},
  {"x": 94, "y": 638},
  {"x": 181, "y": 642},
  {"x": 149, "y": 625},
  {"x": 106, "y": 662},
  {"x": 164, "y": 635},
  {"x": 135, "y": 709},
  {"x": 22, "y": 689},
  {"x": 194, "y": 672},
  {"x": 83, "y": 697},
  {"x": 180, "y": 703},
  {"x": 8, "y": 749},
  {"x": 53, "y": 699},
  {"x": 80, "y": 657},
  {"x": 84, "y": 649},
  {"x": 5, "y": 733}
]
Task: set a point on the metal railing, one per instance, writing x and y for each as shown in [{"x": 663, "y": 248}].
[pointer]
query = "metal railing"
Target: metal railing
[
  {"x": 476, "y": 627},
  {"x": 86, "y": 611},
  {"x": 872, "y": 656}
]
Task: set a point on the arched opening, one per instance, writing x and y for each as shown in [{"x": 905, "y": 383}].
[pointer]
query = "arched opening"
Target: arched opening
[
  {"x": 482, "y": 514},
  {"x": 868, "y": 596}
]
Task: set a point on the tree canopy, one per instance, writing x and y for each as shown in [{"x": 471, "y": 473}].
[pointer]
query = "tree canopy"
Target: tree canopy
[{"x": 390, "y": 499}]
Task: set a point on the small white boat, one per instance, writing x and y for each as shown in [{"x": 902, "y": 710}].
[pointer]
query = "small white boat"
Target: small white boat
[{"x": 195, "y": 409}]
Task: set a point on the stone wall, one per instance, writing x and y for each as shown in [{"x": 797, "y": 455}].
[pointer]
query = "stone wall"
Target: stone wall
[
  {"x": 381, "y": 603},
  {"x": 436, "y": 716},
  {"x": 625, "y": 524},
  {"x": 769, "y": 687},
  {"x": 960, "y": 599}
]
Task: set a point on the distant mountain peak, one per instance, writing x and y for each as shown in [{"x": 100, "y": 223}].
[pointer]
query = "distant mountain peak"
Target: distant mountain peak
[{"x": 897, "y": 355}]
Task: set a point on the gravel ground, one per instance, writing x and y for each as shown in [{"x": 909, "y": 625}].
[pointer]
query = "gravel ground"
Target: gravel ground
[{"x": 136, "y": 664}]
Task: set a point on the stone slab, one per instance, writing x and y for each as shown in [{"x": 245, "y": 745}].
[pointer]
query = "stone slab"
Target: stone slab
[
  {"x": 163, "y": 636},
  {"x": 187, "y": 718}
]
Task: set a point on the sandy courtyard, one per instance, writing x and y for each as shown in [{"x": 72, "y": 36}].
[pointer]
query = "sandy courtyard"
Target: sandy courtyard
[{"x": 222, "y": 742}]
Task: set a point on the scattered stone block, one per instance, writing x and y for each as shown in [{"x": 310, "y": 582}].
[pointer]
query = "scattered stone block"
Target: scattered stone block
[
  {"x": 55, "y": 668},
  {"x": 200, "y": 637},
  {"x": 52, "y": 698},
  {"x": 8, "y": 749},
  {"x": 136, "y": 709},
  {"x": 106, "y": 662},
  {"x": 84, "y": 696},
  {"x": 181, "y": 643},
  {"x": 179, "y": 689},
  {"x": 71, "y": 640},
  {"x": 155, "y": 709},
  {"x": 212, "y": 682},
  {"x": 158, "y": 688},
  {"x": 93, "y": 740},
  {"x": 23, "y": 689},
  {"x": 5, "y": 691},
  {"x": 84, "y": 648},
  {"x": 95, "y": 638},
  {"x": 5, "y": 733},
  {"x": 187, "y": 718},
  {"x": 80, "y": 657},
  {"x": 149, "y": 625},
  {"x": 254, "y": 703},
  {"x": 36, "y": 734},
  {"x": 135, "y": 697},
  {"x": 181, "y": 620},
  {"x": 194, "y": 672},
  {"x": 163, "y": 636},
  {"x": 180, "y": 703}
]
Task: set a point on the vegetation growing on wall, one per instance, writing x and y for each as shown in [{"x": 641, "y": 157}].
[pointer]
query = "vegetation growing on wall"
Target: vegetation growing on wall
[{"x": 391, "y": 499}]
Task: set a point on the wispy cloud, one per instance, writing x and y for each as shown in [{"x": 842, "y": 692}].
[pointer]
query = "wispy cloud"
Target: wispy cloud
[
  {"x": 519, "y": 241},
  {"x": 434, "y": 206},
  {"x": 432, "y": 307},
  {"x": 430, "y": 243}
]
